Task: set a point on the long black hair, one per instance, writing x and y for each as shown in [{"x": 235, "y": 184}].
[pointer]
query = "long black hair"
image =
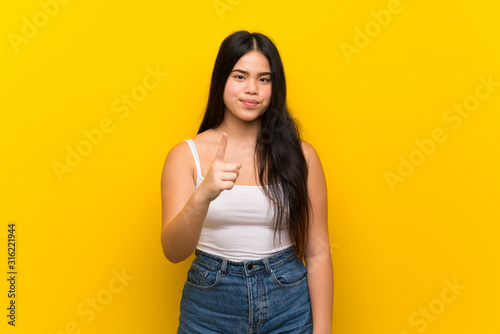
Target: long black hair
[{"x": 278, "y": 153}]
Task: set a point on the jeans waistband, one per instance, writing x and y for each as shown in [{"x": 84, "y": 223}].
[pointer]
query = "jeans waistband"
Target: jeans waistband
[{"x": 247, "y": 267}]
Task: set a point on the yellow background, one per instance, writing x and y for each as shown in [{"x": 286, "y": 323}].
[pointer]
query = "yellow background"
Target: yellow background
[{"x": 394, "y": 249}]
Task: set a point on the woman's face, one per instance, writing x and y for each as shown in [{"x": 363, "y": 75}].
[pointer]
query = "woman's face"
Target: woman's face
[{"x": 248, "y": 89}]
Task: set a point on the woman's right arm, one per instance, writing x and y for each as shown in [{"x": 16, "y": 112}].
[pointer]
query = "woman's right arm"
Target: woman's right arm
[{"x": 184, "y": 207}]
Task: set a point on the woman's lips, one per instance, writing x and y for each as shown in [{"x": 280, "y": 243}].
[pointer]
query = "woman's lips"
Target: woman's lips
[{"x": 250, "y": 104}]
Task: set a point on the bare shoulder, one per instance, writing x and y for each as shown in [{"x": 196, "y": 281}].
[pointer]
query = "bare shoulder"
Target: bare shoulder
[
  {"x": 182, "y": 150},
  {"x": 316, "y": 175},
  {"x": 180, "y": 156},
  {"x": 176, "y": 161},
  {"x": 205, "y": 139},
  {"x": 310, "y": 153}
]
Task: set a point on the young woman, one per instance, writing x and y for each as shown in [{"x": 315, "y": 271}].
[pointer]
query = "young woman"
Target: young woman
[{"x": 249, "y": 198}]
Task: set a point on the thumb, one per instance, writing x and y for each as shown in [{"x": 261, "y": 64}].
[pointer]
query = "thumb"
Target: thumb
[{"x": 219, "y": 156}]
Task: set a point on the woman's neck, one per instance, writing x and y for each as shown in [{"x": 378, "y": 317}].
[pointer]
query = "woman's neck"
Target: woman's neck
[{"x": 238, "y": 130}]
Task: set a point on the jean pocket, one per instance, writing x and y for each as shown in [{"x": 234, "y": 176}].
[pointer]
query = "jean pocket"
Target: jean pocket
[
  {"x": 202, "y": 278},
  {"x": 290, "y": 274}
]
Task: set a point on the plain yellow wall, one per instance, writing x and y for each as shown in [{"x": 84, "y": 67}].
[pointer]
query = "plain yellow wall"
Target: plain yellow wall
[{"x": 399, "y": 98}]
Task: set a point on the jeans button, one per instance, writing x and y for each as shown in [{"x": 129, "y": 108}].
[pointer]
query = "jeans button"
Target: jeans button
[{"x": 250, "y": 266}]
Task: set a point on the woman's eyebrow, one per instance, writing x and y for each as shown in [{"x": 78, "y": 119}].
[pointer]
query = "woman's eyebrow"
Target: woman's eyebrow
[{"x": 245, "y": 72}]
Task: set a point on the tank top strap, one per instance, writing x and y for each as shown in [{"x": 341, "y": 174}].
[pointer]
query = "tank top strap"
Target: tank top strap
[{"x": 195, "y": 156}]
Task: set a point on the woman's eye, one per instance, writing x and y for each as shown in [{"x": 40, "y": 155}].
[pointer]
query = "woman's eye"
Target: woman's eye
[
  {"x": 266, "y": 79},
  {"x": 238, "y": 76}
]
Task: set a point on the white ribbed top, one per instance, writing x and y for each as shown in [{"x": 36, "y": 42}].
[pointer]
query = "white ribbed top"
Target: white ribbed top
[{"x": 238, "y": 224}]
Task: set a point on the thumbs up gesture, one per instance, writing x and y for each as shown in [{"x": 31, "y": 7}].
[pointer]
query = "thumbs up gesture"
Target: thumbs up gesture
[{"x": 221, "y": 175}]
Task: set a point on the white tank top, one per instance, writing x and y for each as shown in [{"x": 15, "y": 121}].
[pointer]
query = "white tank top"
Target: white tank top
[{"x": 238, "y": 224}]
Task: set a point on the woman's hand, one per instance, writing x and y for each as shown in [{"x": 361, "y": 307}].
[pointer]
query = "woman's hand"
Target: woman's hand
[{"x": 221, "y": 175}]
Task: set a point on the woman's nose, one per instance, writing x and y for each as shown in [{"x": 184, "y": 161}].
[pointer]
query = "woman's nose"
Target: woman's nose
[{"x": 251, "y": 87}]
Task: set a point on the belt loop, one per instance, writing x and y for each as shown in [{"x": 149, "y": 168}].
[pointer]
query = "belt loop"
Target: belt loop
[
  {"x": 269, "y": 270},
  {"x": 223, "y": 267}
]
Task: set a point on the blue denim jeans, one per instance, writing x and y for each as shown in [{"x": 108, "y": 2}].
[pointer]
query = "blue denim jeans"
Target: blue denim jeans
[{"x": 263, "y": 296}]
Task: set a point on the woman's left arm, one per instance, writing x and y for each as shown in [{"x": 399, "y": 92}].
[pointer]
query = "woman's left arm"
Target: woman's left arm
[{"x": 317, "y": 250}]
